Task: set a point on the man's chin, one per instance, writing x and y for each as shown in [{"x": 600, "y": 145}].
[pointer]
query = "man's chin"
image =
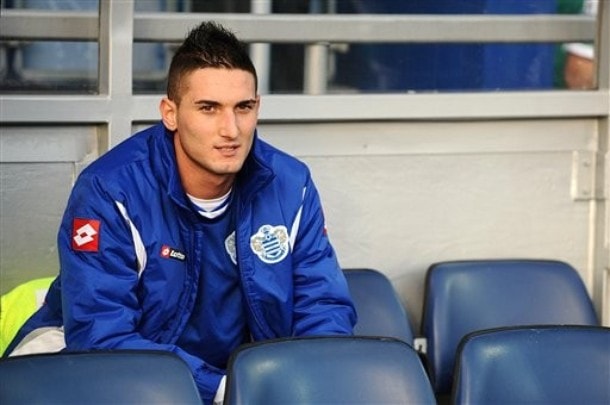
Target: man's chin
[{"x": 228, "y": 170}]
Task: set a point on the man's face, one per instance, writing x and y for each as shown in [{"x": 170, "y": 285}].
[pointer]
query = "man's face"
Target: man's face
[{"x": 214, "y": 123}]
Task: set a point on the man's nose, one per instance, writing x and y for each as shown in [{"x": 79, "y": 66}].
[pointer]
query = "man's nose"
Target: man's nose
[{"x": 228, "y": 125}]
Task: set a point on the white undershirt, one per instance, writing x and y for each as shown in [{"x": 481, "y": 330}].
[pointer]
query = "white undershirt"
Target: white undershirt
[{"x": 211, "y": 208}]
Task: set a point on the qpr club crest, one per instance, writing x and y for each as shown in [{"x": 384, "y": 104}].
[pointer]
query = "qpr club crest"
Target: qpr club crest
[{"x": 270, "y": 243}]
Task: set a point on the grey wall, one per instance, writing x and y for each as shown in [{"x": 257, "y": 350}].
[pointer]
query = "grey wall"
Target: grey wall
[{"x": 406, "y": 179}]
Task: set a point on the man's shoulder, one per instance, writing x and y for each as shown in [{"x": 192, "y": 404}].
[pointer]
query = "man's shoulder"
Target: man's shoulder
[
  {"x": 134, "y": 150},
  {"x": 128, "y": 165},
  {"x": 279, "y": 160}
]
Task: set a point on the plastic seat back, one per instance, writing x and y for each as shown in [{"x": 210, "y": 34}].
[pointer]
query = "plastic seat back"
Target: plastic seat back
[
  {"x": 465, "y": 296},
  {"x": 550, "y": 365},
  {"x": 328, "y": 370},
  {"x": 380, "y": 311},
  {"x": 100, "y": 377}
]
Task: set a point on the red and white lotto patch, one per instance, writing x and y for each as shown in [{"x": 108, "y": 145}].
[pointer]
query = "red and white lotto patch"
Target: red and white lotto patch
[
  {"x": 171, "y": 253},
  {"x": 85, "y": 235}
]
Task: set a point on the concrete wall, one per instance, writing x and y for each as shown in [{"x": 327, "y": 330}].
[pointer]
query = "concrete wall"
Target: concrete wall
[{"x": 398, "y": 196}]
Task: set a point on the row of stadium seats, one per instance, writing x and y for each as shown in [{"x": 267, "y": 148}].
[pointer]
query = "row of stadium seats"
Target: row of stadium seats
[
  {"x": 548, "y": 364},
  {"x": 512, "y": 331},
  {"x": 464, "y": 297},
  {"x": 516, "y": 365}
]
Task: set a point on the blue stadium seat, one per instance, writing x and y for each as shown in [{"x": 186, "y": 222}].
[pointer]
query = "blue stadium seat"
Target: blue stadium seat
[
  {"x": 380, "y": 311},
  {"x": 327, "y": 370},
  {"x": 465, "y": 296},
  {"x": 542, "y": 365},
  {"x": 100, "y": 377}
]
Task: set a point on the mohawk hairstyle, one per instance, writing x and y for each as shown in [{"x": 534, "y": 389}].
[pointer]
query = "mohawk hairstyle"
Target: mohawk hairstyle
[{"x": 209, "y": 45}]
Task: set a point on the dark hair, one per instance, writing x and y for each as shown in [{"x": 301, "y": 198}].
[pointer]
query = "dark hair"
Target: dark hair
[{"x": 209, "y": 45}]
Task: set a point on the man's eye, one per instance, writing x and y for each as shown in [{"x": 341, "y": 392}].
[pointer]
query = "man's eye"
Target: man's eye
[
  {"x": 206, "y": 108},
  {"x": 245, "y": 107}
]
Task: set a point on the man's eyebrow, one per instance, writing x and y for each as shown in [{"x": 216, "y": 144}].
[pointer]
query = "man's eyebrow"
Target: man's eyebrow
[
  {"x": 207, "y": 102},
  {"x": 247, "y": 102},
  {"x": 217, "y": 103}
]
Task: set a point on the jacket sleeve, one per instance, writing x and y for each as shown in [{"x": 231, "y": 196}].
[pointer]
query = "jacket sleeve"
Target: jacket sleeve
[
  {"x": 99, "y": 279},
  {"x": 322, "y": 304}
]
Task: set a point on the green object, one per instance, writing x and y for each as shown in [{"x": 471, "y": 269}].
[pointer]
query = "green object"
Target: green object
[
  {"x": 17, "y": 305},
  {"x": 569, "y": 6}
]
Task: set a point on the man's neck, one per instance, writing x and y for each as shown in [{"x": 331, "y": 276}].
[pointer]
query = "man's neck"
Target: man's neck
[{"x": 204, "y": 188}]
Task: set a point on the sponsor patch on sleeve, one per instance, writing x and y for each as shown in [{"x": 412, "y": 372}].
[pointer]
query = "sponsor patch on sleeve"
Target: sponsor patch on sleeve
[{"x": 86, "y": 235}]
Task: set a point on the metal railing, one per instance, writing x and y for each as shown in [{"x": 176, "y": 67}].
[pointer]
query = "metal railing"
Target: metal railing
[{"x": 117, "y": 28}]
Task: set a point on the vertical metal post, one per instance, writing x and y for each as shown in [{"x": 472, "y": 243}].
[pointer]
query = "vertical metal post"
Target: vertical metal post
[
  {"x": 116, "y": 67},
  {"x": 261, "y": 53},
  {"x": 316, "y": 61},
  {"x": 600, "y": 218},
  {"x": 602, "y": 45}
]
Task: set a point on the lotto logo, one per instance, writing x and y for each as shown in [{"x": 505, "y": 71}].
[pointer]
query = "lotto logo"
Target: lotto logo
[
  {"x": 165, "y": 251},
  {"x": 85, "y": 235},
  {"x": 171, "y": 253}
]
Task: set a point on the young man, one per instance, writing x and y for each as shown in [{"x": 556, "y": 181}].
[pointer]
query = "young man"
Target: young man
[{"x": 193, "y": 236}]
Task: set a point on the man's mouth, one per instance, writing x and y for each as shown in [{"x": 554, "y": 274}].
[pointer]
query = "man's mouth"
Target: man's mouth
[{"x": 227, "y": 150}]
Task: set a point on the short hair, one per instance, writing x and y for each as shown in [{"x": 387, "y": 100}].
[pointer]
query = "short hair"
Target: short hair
[{"x": 209, "y": 45}]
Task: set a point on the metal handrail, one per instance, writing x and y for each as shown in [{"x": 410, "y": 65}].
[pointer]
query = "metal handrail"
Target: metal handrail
[{"x": 309, "y": 28}]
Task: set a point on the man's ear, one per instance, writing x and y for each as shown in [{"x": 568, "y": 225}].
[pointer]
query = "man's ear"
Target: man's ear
[{"x": 168, "y": 111}]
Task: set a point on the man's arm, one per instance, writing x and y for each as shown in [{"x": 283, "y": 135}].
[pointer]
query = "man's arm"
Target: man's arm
[
  {"x": 99, "y": 279},
  {"x": 322, "y": 304}
]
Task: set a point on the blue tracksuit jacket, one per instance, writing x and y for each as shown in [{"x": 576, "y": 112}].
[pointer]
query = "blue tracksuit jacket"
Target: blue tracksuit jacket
[{"x": 130, "y": 247}]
